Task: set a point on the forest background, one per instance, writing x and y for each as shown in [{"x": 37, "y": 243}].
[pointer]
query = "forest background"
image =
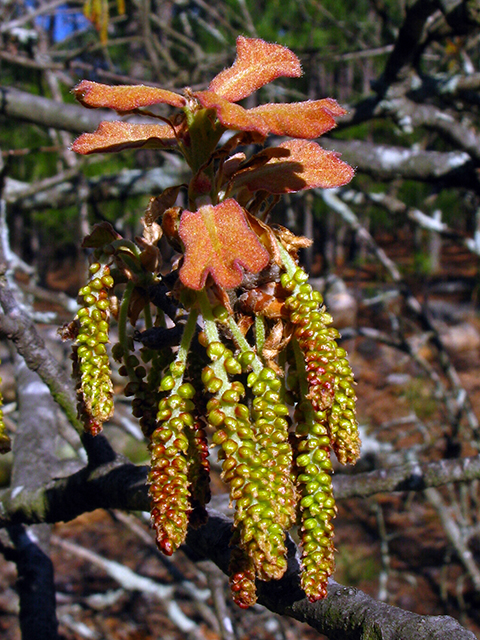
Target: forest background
[{"x": 396, "y": 254}]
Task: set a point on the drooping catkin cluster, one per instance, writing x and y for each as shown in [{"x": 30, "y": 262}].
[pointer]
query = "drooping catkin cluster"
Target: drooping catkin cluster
[
  {"x": 243, "y": 466},
  {"x": 179, "y": 474},
  {"x": 328, "y": 372},
  {"x": 169, "y": 472},
  {"x": 274, "y": 419},
  {"x": 91, "y": 361},
  {"x": 260, "y": 487},
  {"x": 324, "y": 419}
]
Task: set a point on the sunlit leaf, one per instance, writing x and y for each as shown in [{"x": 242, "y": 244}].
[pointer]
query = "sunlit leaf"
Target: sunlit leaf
[
  {"x": 309, "y": 119},
  {"x": 219, "y": 241},
  {"x": 257, "y": 63},
  {"x": 124, "y": 98},
  {"x": 231, "y": 115},
  {"x": 115, "y": 136},
  {"x": 293, "y": 166}
]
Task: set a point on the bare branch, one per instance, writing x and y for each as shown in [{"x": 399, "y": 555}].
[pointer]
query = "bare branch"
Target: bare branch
[
  {"x": 112, "y": 482},
  {"x": 129, "y": 183},
  {"x": 119, "y": 484},
  {"x": 19, "y": 328},
  {"x": 48, "y": 113},
  {"x": 132, "y": 581},
  {"x": 385, "y": 162},
  {"x": 412, "y": 114},
  {"x": 346, "y": 613},
  {"x": 410, "y": 477},
  {"x": 35, "y": 586},
  {"x": 455, "y": 536},
  {"x": 410, "y": 41}
]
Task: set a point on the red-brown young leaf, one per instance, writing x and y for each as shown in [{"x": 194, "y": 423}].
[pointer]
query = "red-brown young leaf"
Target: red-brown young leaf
[
  {"x": 257, "y": 63},
  {"x": 293, "y": 166},
  {"x": 231, "y": 115},
  {"x": 124, "y": 98},
  {"x": 309, "y": 119},
  {"x": 115, "y": 136},
  {"x": 102, "y": 234},
  {"x": 219, "y": 241}
]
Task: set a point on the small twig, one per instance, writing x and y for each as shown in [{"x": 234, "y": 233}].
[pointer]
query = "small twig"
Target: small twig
[
  {"x": 216, "y": 582},
  {"x": 382, "y": 594},
  {"x": 181, "y": 581},
  {"x": 455, "y": 536}
]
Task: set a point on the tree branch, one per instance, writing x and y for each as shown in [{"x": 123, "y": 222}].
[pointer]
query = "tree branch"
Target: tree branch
[
  {"x": 462, "y": 137},
  {"x": 450, "y": 169},
  {"x": 130, "y": 183},
  {"x": 35, "y": 586},
  {"x": 386, "y": 162},
  {"x": 345, "y": 614},
  {"x": 112, "y": 482},
  {"x": 19, "y": 328},
  {"x": 410, "y": 41},
  {"x": 116, "y": 483},
  {"x": 49, "y": 113}
]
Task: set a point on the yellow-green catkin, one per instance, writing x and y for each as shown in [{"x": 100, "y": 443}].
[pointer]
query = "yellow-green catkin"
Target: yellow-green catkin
[
  {"x": 270, "y": 413},
  {"x": 342, "y": 423},
  {"x": 91, "y": 361},
  {"x": 328, "y": 372},
  {"x": 317, "y": 504},
  {"x": 325, "y": 419},
  {"x": 5, "y": 443},
  {"x": 262, "y": 499},
  {"x": 142, "y": 385},
  {"x": 170, "y": 473}
]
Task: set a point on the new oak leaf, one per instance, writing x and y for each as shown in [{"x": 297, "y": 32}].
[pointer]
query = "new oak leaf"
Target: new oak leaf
[
  {"x": 219, "y": 241},
  {"x": 124, "y": 98},
  {"x": 115, "y": 136},
  {"x": 293, "y": 166},
  {"x": 257, "y": 63}
]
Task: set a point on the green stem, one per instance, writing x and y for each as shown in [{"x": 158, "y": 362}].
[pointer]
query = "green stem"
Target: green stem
[
  {"x": 211, "y": 330},
  {"x": 147, "y": 314},
  {"x": 300, "y": 363},
  {"x": 288, "y": 262},
  {"x": 212, "y": 335},
  {"x": 187, "y": 336},
  {"x": 123, "y": 316},
  {"x": 243, "y": 344},
  {"x": 180, "y": 361},
  {"x": 259, "y": 333}
]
